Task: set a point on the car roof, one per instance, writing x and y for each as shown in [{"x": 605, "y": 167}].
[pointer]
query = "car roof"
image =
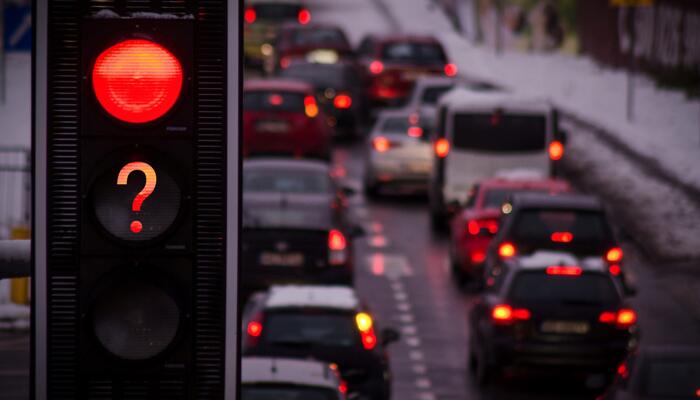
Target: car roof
[
  {"x": 277, "y": 84},
  {"x": 542, "y": 259},
  {"x": 563, "y": 200},
  {"x": 341, "y": 63},
  {"x": 399, "y": 37},
  {"x": 268, "y": 370},
  {"x": 316, "y": 296},
  {"x": 466, "y": 99},
  {"x": 286, "y": 163},
  {"x": 525, "y": 183}
]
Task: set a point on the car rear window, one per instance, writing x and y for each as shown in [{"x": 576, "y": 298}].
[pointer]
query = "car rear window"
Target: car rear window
[
  {"x": 672, "y": 379},
  {"x": 285, "y": 392},
  {"x": 287, "y": 181},
  {"x": 319, "y": 37},
  {"x": 322, "y": 75},
  {"x": 494, "y": 198},
  {"x": 499, "y": 133},
  {"x": 300, "y": 328},
  {"x": 395, "y": 125},
  {"x": 276, "y": 12},
  {"x": 415, "y": 53},
  {"x": 586, "y": 289},
  {"x": 541, "y": 226},
  {"x": 265, "y": 100},
  {"x": 432, "y": 94}
]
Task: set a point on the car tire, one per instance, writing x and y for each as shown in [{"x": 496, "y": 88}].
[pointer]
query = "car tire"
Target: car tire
[{"x": 483, "y": 372}]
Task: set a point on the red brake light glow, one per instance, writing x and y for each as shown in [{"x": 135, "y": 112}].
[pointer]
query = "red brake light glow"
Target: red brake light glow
[
  {"x": 442, "y": 147},
  {"x": 504, "y": 313},
  {"x": 304, "y": 16},
  {"x": 474, "y": 226},
  {"x": 623, "y": 318},
  {"x": 615, "y": 270},
  {"x": 556, "y": 150},
  {"x": 564, "y": 270},
  {"x": 622, "y": 370},
  {"x": 562, "y": 237},
  {"x": 415, "y": 131},
  {"x": 366, "y": 327},
  {"x": 450, "y": 69},
  {"x": 506, "y": 250},
  {"x": 614, "y": 255},
  {"x": 137, "y": 80},
  {"x": 376, "y": 67},
  {"x": 343, "y": 387},
  {"x": 250, "y": 15},
  {"x": 254, "y": 329},
  {"x": 477, "y": 257},
  {"x": 310, "y": 107},
  {"x": 336, "y": 240},
  {"x": 275, "y": 99},
  {"x": 381, "y": 144},
  {"x": 284, "y": 62},
  {"x": 342, "y": 101}
]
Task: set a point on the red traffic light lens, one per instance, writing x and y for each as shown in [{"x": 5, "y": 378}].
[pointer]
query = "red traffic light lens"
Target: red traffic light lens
[{"x": 137, "y": 80}]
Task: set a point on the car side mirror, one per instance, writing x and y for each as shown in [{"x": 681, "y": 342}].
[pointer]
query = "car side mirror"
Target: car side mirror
[{"x": 390, "y": 335}]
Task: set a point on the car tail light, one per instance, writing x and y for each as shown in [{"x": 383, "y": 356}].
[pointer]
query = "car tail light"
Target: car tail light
[
  {"x": 381, "y": 144},
  {"x": 337, "y": 247},
  {"x": 450, "y": 69},
  {"x": 506, "y": 250},
  {"x": 615, "y": 270},
  {"x": 562, "y": 237},
  {"x": 415, "y": 131},
  {"x": 342, "y": 101},
  {"x": 622, "y": 370},
  {"x": 310, "y": 107},
  {"x": 304, "y": 16},
  {"x": 275, "y": 100},
  {"x": 137, "y": 80},
  {"x": 623, "y": 318},
  {"x": 505, "y": 314},
  {"x": 376, "y": 67},
  {"x": 474, "y": 226},
  {"x": 614, "y": 255},
  {"x": 284, "y": 62},
  {"x": 343, "y": 387},
  {"x": 556, "y": 150},
  {"x": 250, "y": 15},
  {"x": 366, "y": 327},
  {"x": 254, "y": 330},
  {"x": 477, "y": 257},
  {"x": 442, "y": 147},
  {"x": 564, "y": 270}
]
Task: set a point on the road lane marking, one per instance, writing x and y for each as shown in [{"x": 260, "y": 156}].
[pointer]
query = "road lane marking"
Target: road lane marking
[
  {"x": 413, "y": 341},
  {"x": 406, "y": 318},
  {"x": 403, "y": 306},
  {"x": 419, "y": 369},
  {"x": 378, "y": 241},
  {"x": 416, "y": 355},
  {"x": 426, "y": 396},
  {"x": 423, "y": 383},
  {"x": 393, "y": 266},
  {"x": 400, "y": 296}
]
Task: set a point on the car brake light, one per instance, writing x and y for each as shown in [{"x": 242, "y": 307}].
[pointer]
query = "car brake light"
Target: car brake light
[
  {"x": 415, "y": 131},
  {"x": 623, "y": 318},
  {"x": 622, "y": 370},
  {"x": 505, "y": 314},
  {"x": 442, "y": 147},
  {"x": 564, "y": 270},
  {"x": 556, "y": 150},
  {"x": 366, "y": 327},
  {"x": 342, "y": 101},
  {"x": 275, "y": 100},
  {"x": 381, "y": 144},
  {"x": 250, "y": 15},
  {"x": 284, "y": 62},
  {"x": 376, "y": 67},
  {"x": 343, "y": 387},
  {"x": 137, "y": 80},
  {"x": 450, "y": 69},
  {"x": 254, "y": 328},
  {"x": 474, "y": 226},
  {"x": 336, "y": 240},
  {"x": 614, "y": 255},
  {"x": 310, "y": 107},
  {"x": 506, "y": 250},
  {"x": 562, "y": 237},
  {"x": 304, "y": 16},
  {"x": 477, "y": 257},
  {"x": 615, "y": 270}
]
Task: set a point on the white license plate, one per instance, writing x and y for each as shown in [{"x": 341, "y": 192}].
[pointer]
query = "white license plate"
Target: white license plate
[
  {"x": 419, "y": 168},
  {"x": 412, "y": 75},
  {"x": 272, "y": 126},
  {"x": 281, "y": 259},
  {"x": 565, "y": 327}
]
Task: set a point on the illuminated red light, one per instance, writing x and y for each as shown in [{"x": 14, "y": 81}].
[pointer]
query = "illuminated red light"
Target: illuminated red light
[
  {"x": 336, "y": 240},
  {"x": 250, "y": 15},
  {"x": 304, "y": 16},
  {"x": 310, "y": 107},
  {"x": 254, "y": 329},
  {"x": 442, "y": 147},
  {"x": 478, "y": 257},
  {"x": 284, "y": 62},
  {"x": 562, "y": 237},
  {"x": 556, "y": 150},
  {"x": 343, "y": 387},
  {"x": 564, "y": 270},
  {"x": 376, "y": 67},
  {"x": 623, "y": 318},
  {"x": 450, "y": 69},
  {"x": 503, "y": 313},
  {"x": 137, "y": 80},
  {"x": 275, "y": 100},
  {"x": 342, "y": 101},
  {"x": 415, "y": 131},
  {"x": 506, "y": 250},
  {"x": 366, "y": 327},
  {"x": 473, "y": 228},
  {"x": 614, "y": 255},
  {"x": 607, "y": 317},
  {"x": 622, "y": 370},
  {"x": 381, "y": 144},
  {"x": 615, "y": 270}
]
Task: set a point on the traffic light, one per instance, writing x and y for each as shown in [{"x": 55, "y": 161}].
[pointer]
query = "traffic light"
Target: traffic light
[{"x": 130, "y": 225}]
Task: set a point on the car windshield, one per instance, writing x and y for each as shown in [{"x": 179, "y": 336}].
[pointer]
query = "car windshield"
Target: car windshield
[
  {"x": 494, "y": 198},
  {"x": 498, "y": 133},
  {"x": 672, "y": 379},
  {"x": 432, "y": 94},
  {"x": 586, "y": 289},
  {"x": 285, "y": 392},
  {"x": 310, "y": 328},
  {"x": 320, "y": 75},
  {"x": 285, "y": 180},
  {"x": 279, "y": 12},
  {"x": 547, "y": 226},
  {"x": 319, "y": 37},
  {"x": 413, "y": 52},
  {"x": 265, "y": 100}
]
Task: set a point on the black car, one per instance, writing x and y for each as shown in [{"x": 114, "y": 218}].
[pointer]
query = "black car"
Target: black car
[
  {"x": 294, "y": 225},
  {"x": 574, "y": 223},
  {"x": 339, "y": 91},
  {"x": 326, "y": 323},
  {"x": 658, "y": 373},
  {"x": 547, "y": 317}
]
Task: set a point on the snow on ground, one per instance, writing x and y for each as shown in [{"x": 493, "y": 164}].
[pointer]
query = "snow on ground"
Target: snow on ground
[{"x": 15, "y": 114}]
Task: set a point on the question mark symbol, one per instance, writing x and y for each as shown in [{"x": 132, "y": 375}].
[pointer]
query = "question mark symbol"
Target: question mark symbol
[{"x": 151, "y": 179}]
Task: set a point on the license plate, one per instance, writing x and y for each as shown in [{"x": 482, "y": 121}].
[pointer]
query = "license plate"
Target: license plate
[
  {"x": 566, "y": 327},
  {"x": 281, "y": 259},
  {"x": 412, "y": 75},
  {"x": 322, "y": 56},
  {"x": 419, "y": 168},
  {"x": 272, "y": 126}
]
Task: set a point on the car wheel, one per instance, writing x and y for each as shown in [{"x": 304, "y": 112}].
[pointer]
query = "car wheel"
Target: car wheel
[{"x": 484, "y": 373}]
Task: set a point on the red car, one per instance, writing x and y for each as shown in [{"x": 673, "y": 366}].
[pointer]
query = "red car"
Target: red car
[
  {"x": 475, "y": 225},
  {"x": 325, "y": 44},
  {"x": 393, "y": 63},
  {"x": 283, "y": 117}
]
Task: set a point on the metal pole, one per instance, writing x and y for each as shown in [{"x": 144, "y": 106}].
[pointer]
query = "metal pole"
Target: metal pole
[
  {"x": 631, "y": 68},
  {"x": 3, "y": 80}
]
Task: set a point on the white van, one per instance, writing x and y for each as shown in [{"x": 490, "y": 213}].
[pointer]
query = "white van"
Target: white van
[{"x": 480, "y": 134}]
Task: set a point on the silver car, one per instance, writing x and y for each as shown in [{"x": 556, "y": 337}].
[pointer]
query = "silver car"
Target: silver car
[{"x": 399, "y": 153}]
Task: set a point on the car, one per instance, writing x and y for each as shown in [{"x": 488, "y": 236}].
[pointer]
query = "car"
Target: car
[
  {"x": 575, "y": 223},
  {"x": 392, "y": 63},
  {"x": 481, "y": 133},
  {"x": 283, "y": 117},
  {"x": 262, "y": 19},
  {"x": 271, "y": 378},
  {"x": 473, "y": 227},
  {"x": 554, "y": 313},
  {"x": 399, "y": 154},
  {"x": 320, "y": 43},
  {"x": 661, "y": 372},
  {"x": 327, "y": 323},
  {"x": 338, "y": 89},
  {"x": 295, "y": 228}
]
